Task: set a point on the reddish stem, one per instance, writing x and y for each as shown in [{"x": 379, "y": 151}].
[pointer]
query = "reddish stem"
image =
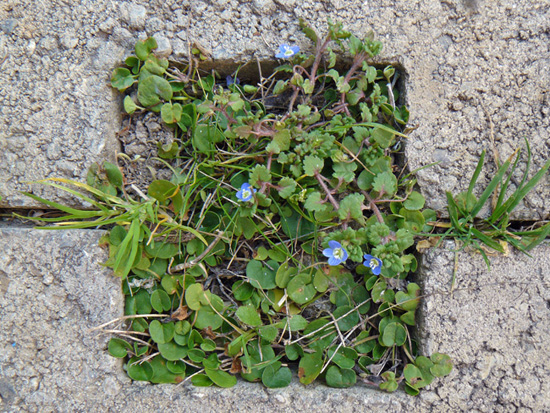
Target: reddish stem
[{"x": 319, "y": 178}]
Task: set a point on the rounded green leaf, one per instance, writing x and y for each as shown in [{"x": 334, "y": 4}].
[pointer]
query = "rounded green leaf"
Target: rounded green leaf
[
  {"x": 180, "y": 339},
  {"x": 122, "y": 79},
  {"x": 442, "y": 364},
  {"x": 310, "y": 367},
  {"x": 208, "y": 345},
  {"x": 221, "y": 378},
  {"x": 138, "y": 370},
  {"x": 340, "y": 378},
  {"x": 152, "y": 89},
  {"x": 412, "y": 374},
  {"x": 294, "y": 351},
  {"x": 349, "y": 321},
  {"x": 161, "y": 332},
  {"x": 170, "y": 283},
  {"x": 201, "y": 380},
  {"x": 260, "y": 276},
  {"x": 297, "y": 322},
  {"x": 249, "y": 315},
  {"x": 193, "y": 295},
  {"x": 360, "y": 295},
  {"x": 171, "y": 113},
  {"x": 113, "y": 174},
  {"x": 364, "y": 342},
  {"x": 196, "y": 355},
  {"x": 242, "y": 290},
  {"x": 160, "y": 301},
  {"x": 118, "y": 348},
  {"x": 172, "y": 351},
  {"x": 161, "y": 374},
  {"x": 129, "y": 105},
  {"x": 414, "y": 220},
  {"x": 408, "y": 318},
  {"x": 394, "y": 335},
  {"x": 414, "y": 202},
  {"x": 389, "y": 384},
  {"x": 268, "y": 333},
  {"x": 176, "y": 367},
  {"x": 300, "y": 289},
  {"x": 163, "y": 250},
  {"x": 144, "y": 47},
  {"x": 207, "y": 318},
  {"x": 162, "y": 189},
  {"x": 283, "y": 275},
  {"x": 142, "y": 302},
  {"x": 320, "y": 281},
  {"x": 275, "y": 377}
]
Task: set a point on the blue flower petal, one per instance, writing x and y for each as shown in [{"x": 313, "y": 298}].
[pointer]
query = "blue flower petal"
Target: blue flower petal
[
  {"x": 286, "y": 51},
  {"x": 345, "y": 257},
  {"x": 246, "y": 192},
  {"x": 334, "y": 261},
  {"x": 334, "y": 244},
  {"x": 376, "y": 269},
  {"x": 327, "y": 252}
]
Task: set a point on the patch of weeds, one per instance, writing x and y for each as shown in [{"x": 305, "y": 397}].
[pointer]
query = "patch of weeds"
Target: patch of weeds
[
  {"x": 284, "y": 235},
  {"x": 492, "y": 234}
]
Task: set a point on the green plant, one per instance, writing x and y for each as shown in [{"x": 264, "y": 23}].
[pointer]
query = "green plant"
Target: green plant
[
  {"x": 493, "y": 233},
  {"x": 285, "y": 233}
]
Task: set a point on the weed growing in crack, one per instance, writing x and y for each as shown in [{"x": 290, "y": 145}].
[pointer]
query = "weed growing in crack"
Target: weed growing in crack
[
  {"x": 284, "y": 236},
  {"x": 492, "y": 234}
]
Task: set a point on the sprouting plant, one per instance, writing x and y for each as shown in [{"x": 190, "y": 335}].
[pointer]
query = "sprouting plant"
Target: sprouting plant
[
  {"x": 284, "y": 234},
  {"x": 493, "y": 233}
]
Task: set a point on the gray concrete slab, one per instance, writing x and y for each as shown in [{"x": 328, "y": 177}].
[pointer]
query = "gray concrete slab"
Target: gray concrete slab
[
  {"x": 476, "y": 72},
  {"x": 58, "y": 113},
  {"x": 495, "y": 326}
]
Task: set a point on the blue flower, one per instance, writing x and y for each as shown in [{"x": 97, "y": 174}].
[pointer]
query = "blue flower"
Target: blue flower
[
  {"x": 336, "y": 253},
  {"x": 246, "y": 192},
  {"x": 286, "y": 51},
  {"x": 375, "y": 264},
  {"x": 230, "y": 80}
]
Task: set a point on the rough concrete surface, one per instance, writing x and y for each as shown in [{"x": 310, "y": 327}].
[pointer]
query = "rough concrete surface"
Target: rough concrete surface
[
  {"x": 469, "y": 64},
  {"x": 58, "y": 114},
  {"x": 476, "y": 71},
  {"x": 495, "y": 326}
]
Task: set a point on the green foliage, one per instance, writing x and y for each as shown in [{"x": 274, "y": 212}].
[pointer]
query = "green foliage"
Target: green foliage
[
  {"x": 492, "y": 232},
  {"x": 224, "y": 265}
]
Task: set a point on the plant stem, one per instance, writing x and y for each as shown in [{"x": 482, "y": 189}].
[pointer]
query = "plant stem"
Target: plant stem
[{"x": 319, "y": 178}]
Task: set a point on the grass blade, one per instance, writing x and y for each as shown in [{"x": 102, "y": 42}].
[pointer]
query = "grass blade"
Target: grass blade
[
  {"x": 475, "y": 176},
  {"x": 490, "y": 188},
  {"x": 74, "y": 212},
  {"x": 491, "y": 243},
  {"x": 520, "y": 193},
  {"x": 453, "y": 212},
  {"x": 504, "y": 186},
  {"x": 544, "y": 232}
]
